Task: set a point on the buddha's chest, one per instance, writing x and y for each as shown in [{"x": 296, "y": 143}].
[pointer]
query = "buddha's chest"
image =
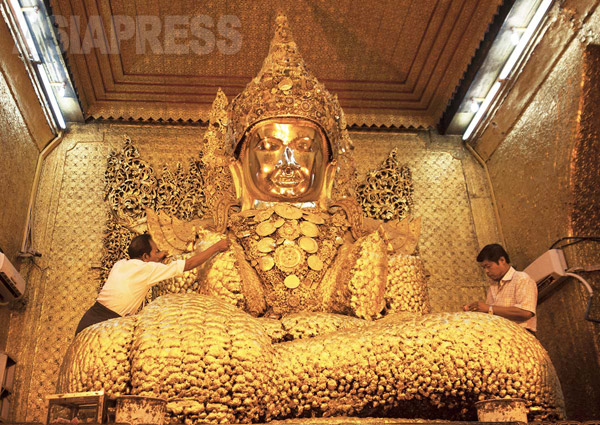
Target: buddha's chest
[{"x": 291, "y": 250}]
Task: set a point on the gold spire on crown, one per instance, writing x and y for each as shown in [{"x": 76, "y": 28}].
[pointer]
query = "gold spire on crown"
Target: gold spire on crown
[{"x": 285, "y": 87}]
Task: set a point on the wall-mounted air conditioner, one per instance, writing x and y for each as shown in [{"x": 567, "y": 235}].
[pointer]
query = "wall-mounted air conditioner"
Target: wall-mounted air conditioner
[
  {"x": 12, "y": 284},
  {"x": 548, "y": 270}
]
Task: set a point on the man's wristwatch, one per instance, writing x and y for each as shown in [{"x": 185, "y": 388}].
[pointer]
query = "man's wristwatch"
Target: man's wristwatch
[{"x": 491, "y": 310}]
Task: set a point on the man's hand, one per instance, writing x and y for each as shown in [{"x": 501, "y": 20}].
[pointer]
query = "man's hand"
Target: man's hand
[
  {"x": 477, "y": 306},
  {"x": 162, "y": 255},
  {"x": 199, "y": 258},
  {"x": 222, "y": 245}
]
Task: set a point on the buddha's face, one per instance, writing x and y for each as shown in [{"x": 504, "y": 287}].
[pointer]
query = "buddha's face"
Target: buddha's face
[{"x": 284, "y": 159}]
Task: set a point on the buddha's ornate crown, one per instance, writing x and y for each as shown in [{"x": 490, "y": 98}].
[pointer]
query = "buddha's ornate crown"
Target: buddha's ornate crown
[{"x": 285, "y": 87}]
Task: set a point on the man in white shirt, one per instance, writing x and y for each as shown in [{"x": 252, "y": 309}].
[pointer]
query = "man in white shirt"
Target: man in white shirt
[
  {"x": 512, "y": 294},
  {"x": 129, "y": 280}
]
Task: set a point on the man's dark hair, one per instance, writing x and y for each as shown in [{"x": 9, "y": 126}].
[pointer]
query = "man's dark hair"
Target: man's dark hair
[
  {"x": 492, "y": 252},
  {"x": 139, "y": 246}
]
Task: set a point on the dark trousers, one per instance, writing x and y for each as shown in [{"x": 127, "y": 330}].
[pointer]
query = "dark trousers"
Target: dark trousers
[{"x": 96, "y": 314}]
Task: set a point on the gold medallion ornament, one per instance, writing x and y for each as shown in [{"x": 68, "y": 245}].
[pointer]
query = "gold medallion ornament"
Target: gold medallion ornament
[
  {"x": 285, "y": 84},
  {"x": 288, "y": 257},
  {"x": 290, "y": 230},
  {"x": 309, "y": 229},
  {"x": 247, "y": 213},
  {"x": 266, "y": 245},
  {"x": 263, "y": 215},
  {"x": 292, "y": 281},
  {"x": 288, "y": 211},
  {"x": 265, "y": 228},
  {"x": 308, "y": 244},
  {"x": 314, "y": 218},
  {"x": 266, "y": 263},
  {"x": 315, "y": 263}
]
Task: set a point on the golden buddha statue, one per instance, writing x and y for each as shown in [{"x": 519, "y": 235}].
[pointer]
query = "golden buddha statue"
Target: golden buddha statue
[{"x": 315, "y": 311}]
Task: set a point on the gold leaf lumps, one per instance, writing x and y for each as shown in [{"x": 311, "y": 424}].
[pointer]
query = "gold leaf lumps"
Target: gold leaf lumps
[
  {"x": 215, "y": 363},
  {"x": 406, "y": 287}
]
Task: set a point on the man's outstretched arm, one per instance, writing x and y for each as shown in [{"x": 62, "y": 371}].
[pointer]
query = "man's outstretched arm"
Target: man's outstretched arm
[{"x": 201, "y": 257}]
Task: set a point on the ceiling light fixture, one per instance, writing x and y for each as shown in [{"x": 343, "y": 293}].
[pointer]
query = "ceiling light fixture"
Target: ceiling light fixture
[
  {"x": 51, "y": 97},
  {"x": 515, "y": 35},
  {"x": 32, "y": 11},
  {"x": 509, "y": 66},
  {"x": 32, "y": 31}
]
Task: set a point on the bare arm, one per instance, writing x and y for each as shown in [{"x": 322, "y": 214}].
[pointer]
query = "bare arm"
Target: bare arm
[
  {"x": 515, "y": 314},
  {"x": 203, "y": 256}
]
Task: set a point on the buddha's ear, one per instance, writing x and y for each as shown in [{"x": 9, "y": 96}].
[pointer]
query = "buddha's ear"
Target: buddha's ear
[
  {"x": 328, "y": 179},
  {"x": 237, "y": 173}
]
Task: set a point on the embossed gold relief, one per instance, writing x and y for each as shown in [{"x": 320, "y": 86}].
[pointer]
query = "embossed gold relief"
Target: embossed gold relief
[
  {"x": 298, "y": 254},
  {"x": 214, "y": 159},
  {"x": 132, "y": 188},
  {"x": 386, "y": 193}
]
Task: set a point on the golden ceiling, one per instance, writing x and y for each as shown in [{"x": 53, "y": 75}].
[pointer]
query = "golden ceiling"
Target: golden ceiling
[{"x": 393, "y": 63}]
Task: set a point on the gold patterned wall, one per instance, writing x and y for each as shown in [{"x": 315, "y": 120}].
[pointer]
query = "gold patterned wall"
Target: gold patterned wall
[
  {"x": 542, "y": 185},
  {"x": 22, "y": 133},
  {"x": 70, "y": 214}
]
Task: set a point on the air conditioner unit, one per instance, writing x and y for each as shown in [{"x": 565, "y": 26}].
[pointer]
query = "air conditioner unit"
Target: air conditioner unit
[
  {"x": 548, "y": 270},
  {"x": 12, "y": 284}
]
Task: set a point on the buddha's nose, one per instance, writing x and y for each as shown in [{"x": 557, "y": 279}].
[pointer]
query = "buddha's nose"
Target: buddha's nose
[{"x": 288, "y": 162}]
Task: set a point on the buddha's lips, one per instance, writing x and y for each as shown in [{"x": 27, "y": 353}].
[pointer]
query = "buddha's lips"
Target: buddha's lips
[{"x": 281, "y": 179}]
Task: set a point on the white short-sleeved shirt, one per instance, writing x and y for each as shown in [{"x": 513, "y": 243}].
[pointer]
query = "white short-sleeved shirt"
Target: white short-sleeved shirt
[
  {"x": 515, "y": 289},
  {"x": 129, "y": 280}
]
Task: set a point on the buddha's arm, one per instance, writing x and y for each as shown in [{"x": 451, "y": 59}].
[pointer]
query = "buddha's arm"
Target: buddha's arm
[
  {"x": 406, "y": 288},
  {"x": 356, "y": 282},
  {"x": 230, "y": 277}
]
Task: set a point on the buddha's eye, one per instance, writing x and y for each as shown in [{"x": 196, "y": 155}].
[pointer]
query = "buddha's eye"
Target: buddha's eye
[
  {"x": 268, "y": 145},
  {"x": 304, "y": 144}
]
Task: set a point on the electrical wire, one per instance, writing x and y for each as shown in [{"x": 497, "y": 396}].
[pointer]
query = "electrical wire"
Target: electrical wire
[
  {"x": 591, "y": 292},
  {"x": 575, "y": 240}
]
